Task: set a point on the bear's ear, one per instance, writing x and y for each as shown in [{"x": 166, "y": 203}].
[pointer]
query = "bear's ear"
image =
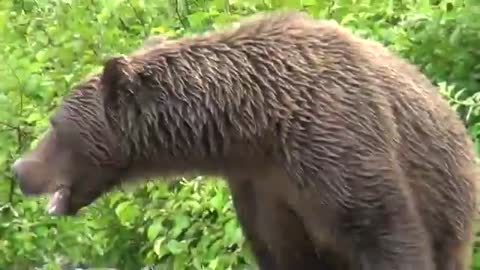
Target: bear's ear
[{"x": 118, "y": 73}]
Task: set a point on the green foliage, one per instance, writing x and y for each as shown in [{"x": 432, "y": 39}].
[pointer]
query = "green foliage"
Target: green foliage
[{"x": 47, "y": 46}]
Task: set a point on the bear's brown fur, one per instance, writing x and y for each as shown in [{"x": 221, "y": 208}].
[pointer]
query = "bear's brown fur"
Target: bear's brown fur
[{"x": 338, "y": 154}]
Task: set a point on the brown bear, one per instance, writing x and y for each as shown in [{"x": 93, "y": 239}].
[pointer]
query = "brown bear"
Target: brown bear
[{"x": 338, "y": 154}]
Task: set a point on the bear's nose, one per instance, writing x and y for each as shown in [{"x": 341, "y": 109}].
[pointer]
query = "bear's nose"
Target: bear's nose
[
  {"x": 27, "y": 175},
  {"x": 15, "y": 168}
]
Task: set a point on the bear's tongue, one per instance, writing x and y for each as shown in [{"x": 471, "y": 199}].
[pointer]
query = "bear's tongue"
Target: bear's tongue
[{"x": 59, "y": 202}]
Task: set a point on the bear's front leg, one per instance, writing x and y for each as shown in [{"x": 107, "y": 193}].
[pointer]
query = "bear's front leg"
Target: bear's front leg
[
  {"x": 386, "y": 232},
  {"x": 276, "y": 234},
  {"x": 246, "y": 203}
]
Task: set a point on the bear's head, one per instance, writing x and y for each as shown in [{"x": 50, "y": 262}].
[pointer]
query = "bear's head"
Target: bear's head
[{"x": 80, "y": 157}]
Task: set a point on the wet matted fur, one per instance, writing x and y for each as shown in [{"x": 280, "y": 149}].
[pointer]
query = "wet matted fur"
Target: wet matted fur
[{"x": 338, "y": 154}]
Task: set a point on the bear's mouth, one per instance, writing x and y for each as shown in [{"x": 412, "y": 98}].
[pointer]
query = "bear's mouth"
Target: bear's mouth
[
  {"x": 66, "y": 201},
  {"x": 60, "y": 202}
]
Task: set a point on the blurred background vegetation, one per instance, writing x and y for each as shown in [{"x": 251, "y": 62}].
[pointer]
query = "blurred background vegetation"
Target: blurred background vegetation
[{"x": 48, "y": 45}]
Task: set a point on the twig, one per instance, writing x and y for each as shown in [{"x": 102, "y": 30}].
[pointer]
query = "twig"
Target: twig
[
  {"x": 6, "y": 129},
  {"x": 226, "y": 4},
  {"x": 7, "y": 125},
  {"x": 9, "y": 206},
  {"x": 20, "y": 141},
  {"x": 18, "y": 130},
  {"x": 329, "y": 9},
  {"x": 20, "y": 83},
  {"x": 180, "y": 17},
  {"x": 124, "y": 25}
]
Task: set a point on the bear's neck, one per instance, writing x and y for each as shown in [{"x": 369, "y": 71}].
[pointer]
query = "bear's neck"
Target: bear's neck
[
  {"x": 198, "y": 135},
  {"x": 216, "y": 106}
]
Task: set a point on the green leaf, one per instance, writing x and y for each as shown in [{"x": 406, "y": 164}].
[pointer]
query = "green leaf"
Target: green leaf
[
  {"x": 182, "y": 221},
  {"x": 213, "y": 264},
  {"x": 41, "y": 56},
  {"x": 154, "y": 230},
  {"x": 127, "y": 212},
  {"x": 196, "y": 19},
  {"x": 157, "y": 247},
  {"x": 218, "y": 201},
  {"x": 455, "y": 36},
  {"x": 176, "y": 247},
  {"x": 294, "y": 4}
]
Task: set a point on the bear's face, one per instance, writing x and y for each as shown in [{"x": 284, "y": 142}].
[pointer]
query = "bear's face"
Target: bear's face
[
  {"x": 75, "y": 161},
  {"x": 84, "y": 154}
]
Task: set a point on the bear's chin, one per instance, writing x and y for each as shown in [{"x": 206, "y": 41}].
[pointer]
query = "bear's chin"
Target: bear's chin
[{"x": 59, "y": 203}]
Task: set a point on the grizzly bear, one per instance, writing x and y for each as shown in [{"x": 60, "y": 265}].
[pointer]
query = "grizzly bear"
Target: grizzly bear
[{"x": 338, "y": 153}]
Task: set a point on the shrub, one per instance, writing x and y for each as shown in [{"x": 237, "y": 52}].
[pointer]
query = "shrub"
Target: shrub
[{"x": 49, "y": 45}]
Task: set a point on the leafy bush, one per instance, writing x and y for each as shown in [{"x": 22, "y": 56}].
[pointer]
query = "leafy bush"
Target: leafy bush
[{"x": 49, "y": 45}]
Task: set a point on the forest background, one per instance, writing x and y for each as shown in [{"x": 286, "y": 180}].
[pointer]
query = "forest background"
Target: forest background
[{"x": 46, "y": 46}]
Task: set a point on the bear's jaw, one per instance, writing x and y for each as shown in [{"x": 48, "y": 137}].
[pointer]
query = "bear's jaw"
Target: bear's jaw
[{"x": 59, "y": 202}]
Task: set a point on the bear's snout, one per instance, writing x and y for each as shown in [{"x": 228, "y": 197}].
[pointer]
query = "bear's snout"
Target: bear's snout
[
  {"x": 15, "y": 169},
  {"x": 29, "y": 176}
]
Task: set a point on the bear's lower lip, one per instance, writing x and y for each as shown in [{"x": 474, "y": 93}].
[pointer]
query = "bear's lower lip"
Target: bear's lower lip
[{"x": 59, "y": 202}]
